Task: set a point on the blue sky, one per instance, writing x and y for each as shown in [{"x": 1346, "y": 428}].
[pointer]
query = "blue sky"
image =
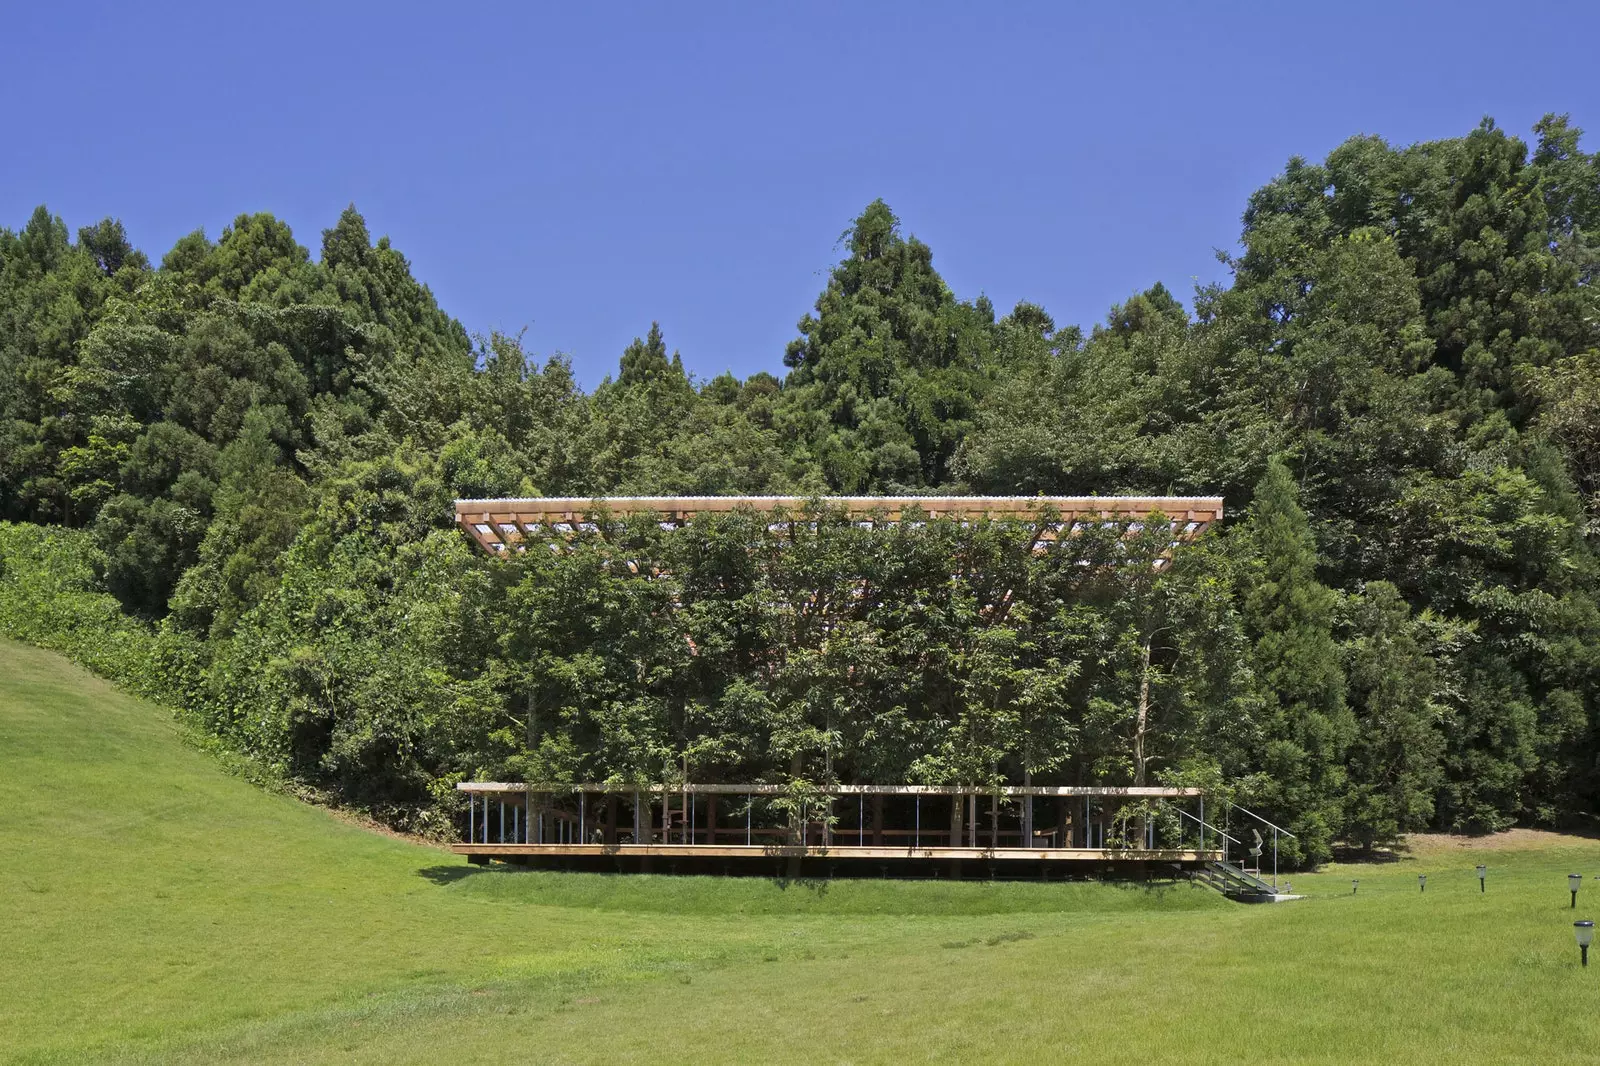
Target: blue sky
[{"x": 580, "y": 170}]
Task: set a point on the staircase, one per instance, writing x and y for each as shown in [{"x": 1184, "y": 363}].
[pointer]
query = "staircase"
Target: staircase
[{"x": 1234, "y": 883}]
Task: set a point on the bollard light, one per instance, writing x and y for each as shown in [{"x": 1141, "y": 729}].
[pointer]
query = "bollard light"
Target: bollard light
[
  {"x": 1355, "y": 886},
  {"x": 1574, "y": 882},
  {"x": 1482, "y": 872},
  {"x": 1585, "y": 932},
  {"x": 1422, "y": 882}
]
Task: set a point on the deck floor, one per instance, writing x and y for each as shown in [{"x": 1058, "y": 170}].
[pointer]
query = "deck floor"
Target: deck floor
[{"x": 879, "y": 854}]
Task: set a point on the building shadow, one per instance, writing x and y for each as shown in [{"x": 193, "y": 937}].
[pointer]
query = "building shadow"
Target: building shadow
[{"x": 448, "y": 875}]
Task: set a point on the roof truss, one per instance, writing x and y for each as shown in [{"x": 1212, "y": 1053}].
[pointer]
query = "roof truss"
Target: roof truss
[{"x": 502, "y": 526}]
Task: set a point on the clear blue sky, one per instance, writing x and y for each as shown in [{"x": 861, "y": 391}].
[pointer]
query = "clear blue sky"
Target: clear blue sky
[{"x": 582, "y": 169}]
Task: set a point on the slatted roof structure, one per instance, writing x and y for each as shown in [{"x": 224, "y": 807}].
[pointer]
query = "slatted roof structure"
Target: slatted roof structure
[{"x": 503, "y": 526}]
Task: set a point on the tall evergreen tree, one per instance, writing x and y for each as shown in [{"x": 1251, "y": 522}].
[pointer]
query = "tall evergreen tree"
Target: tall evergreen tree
[
  {"x": 886, "y": 376},
  {"x": 1289, "y": 615}
]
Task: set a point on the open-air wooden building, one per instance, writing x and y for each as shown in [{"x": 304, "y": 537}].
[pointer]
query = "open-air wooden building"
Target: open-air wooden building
[
  {"x": 875, "y": 829},
  {"x": 918, "y": 830}
]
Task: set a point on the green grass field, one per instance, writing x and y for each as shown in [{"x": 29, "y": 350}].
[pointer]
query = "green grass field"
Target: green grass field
[{"x": 155, "y": 909}]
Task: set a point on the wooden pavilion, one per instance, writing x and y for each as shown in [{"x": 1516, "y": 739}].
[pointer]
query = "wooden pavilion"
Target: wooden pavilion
[{"x": 907, "y": 830}]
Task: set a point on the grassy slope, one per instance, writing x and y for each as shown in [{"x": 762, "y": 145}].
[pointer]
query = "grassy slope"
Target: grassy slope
[{"x": 155, "y": 909}]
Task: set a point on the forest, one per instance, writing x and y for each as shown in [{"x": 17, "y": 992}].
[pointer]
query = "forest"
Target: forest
[{"x": 226, "y": 482}]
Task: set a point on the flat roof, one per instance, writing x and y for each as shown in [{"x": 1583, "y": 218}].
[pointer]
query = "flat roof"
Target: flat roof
[{"x": 498, "y": 525}]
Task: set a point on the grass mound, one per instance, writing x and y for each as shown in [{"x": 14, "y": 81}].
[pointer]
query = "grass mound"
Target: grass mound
[
  {"x": 158, "y": 910},
  {"x": 766, "y": 897}
]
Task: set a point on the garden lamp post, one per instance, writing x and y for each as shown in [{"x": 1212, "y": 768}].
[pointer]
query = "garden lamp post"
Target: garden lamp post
[
  {"x": 1422, "y": 882},
  {"x": 1585, "y": 933},
  {"x": 1355, "y": 886},
  {"x": 1574, "y": 882},
  {"x": 1482, "y": 872}
]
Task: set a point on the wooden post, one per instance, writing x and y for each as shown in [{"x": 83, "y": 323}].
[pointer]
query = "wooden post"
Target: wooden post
[
  {"x": 877, "y": 820},
  {"x": 994, "y": 821},
  {"x": 972, "y": 819}
]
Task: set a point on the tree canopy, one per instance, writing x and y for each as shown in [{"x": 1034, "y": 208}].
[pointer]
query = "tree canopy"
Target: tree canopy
[{"x": 253, "y": 450}]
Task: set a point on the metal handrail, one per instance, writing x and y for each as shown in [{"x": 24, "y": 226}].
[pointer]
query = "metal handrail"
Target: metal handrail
[
  {"x": 1263, "y": 821},
  {"x": 1208, "y": 825}
]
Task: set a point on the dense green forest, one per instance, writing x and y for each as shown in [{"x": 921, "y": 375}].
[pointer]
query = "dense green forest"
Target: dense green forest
[{"x": 226, "y": 478}]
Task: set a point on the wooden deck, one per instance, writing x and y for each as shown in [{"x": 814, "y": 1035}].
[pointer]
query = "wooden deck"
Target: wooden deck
[
  {"x": 848, "y": 830},
  {"x": 836, "y": 852}
]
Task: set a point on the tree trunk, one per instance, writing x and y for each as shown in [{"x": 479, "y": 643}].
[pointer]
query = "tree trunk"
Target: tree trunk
[
  {"x": 1139, "y": 731},
  {"x": 1027, "y": 810},
  {"x": 1142, "y": 722}
]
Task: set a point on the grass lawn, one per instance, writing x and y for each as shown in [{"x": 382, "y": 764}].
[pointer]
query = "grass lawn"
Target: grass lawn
[{"x": 155, "y": 909}]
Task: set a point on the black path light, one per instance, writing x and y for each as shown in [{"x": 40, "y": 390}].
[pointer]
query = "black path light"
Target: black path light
[
  {"x": 1355, "y": 885},
  {"x": 1482, "y": 873},
  {"x": 1585, "y": 933},
  {"x": 1422, "y": 882},
  {"x": 1574, "y": 882}
]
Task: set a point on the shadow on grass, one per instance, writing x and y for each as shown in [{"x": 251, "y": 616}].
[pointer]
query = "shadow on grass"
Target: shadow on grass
[
  {"x": 1355, "y": 854},
  {"x": 448, "y": 875}
]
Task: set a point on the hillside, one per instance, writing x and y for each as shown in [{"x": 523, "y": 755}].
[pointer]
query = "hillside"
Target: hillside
[
  {"x": 157, "y": 909},
  {"x": 248, "y": 446}
]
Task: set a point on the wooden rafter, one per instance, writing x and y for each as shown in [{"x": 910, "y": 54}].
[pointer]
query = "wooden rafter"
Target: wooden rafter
[{"x": 505, "y": 525}]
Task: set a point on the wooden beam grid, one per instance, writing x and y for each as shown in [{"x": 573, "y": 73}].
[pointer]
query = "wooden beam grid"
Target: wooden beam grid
[{"x": 502, "y": 526}]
